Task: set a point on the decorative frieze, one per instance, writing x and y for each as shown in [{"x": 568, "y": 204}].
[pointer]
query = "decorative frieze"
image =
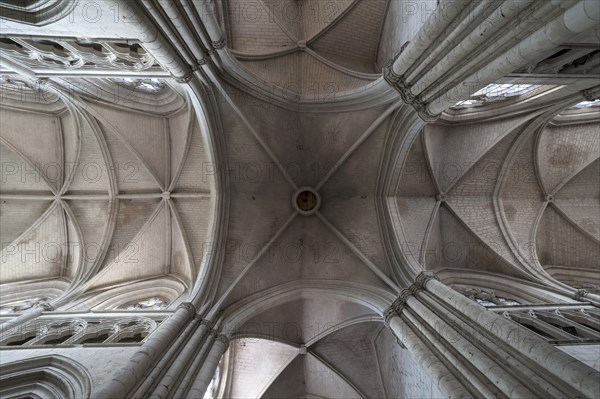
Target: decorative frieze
[
  {"x": 80, "y": 330},
  {"x": 73, "y": 54}
]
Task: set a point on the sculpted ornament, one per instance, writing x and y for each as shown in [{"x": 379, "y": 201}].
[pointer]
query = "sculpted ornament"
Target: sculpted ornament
[{"x": 73, "y": 54}]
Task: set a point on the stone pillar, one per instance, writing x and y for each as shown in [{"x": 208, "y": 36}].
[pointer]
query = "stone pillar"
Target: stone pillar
[
  {"x": 445, "y": 379},
  {"x": 209, "y": 367},
  {"x": 557, "y": 365},
  {"x": 435, "y": 69},
  {"x": 179, "y": 365},
  {"x": 488, "y": 355},
  {"x": 581, "y": 17},
  {"x": 435, "y": 25},
  {"x": 165, "y": 361},
  {"x": 130, "y": 376},
  {"x": 208, "y": 14},
  {"x": 190, "y": 374}
]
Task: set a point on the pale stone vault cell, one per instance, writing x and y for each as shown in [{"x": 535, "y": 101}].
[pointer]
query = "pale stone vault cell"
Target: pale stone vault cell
[{"x": 299, "y": 199}]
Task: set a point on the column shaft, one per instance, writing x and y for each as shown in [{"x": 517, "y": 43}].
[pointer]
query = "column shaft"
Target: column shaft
[
  {"x": 581, "y": 17},
  {"x": 433, "y": 27},
  {"x": 169, "y": 380},
  {"x": 489, "y": 371},
  {"x": 444, "y": 379},
  {"x": 139, "y": 364},
  {"x": 196, "y": 365},
  {"x": 151, "y": 380},
  {"x": 208, "y": 369},
  {"x": 566, "y": 370}
]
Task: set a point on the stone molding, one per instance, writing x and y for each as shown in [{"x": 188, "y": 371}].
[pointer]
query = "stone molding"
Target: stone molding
[
  {"x": 580, "y": 294},
  {"x": 188, "y": 306},
  {"x": 219, "y": 44},
  {"x": 400, "y": 302},
  {"x": 398, "y": 82}
]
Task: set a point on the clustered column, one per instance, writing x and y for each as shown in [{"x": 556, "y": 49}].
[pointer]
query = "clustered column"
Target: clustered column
[
  {"x": 435, "y": 69},
  {"x": 177, "y": 361},
  {"x": 472, "y": 352}
]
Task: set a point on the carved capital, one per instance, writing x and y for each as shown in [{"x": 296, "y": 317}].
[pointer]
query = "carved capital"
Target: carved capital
[
  {"x": 207, "y": 323},
  {"x": 591, "y": 94},
  {"x": 188, "y": 306},
  {"x": 388, "y": 314},
  {"x": 406, "y": 293},
  {"x": 45, "y": 305},
  {"x": 423, "y": 112},
  {"x": 186, "y": 78},
  {"x": 424, "y": 277},
  {"x": 404, "y": 89},
  {"x": 219, "y": 44},
  {"x": 397, "y": 306},
  {"x": 389, "y": 75},
  {"x": 223, "y": 338},
  {"x": 580, "y": 294}
]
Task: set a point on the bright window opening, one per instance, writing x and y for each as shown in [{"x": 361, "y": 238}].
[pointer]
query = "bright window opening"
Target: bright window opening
[
  {"x": 495, "y": 92},
  {"x": 588, "y": 104},
  {"x": 149, "y": 304},
  {"x": 150, "y": 85}
]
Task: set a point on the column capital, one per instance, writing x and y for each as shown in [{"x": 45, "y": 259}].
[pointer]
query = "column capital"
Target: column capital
[
  {"x": 591, "y": 94},
  {"x": 185, "y": 78},
  {"x": 207, "y": 323},
  {"x": 580, "y": 294},
  {"x": 45, "y": 305},
  {"x": 189, "y": 307},
  {"x": 219, "y": 44},
  {"x": 223, "y": 338},
  {"x": 397, "y": 306},
  {"x": 398, "y": 82},
  {"x": 424, "y": 277}
]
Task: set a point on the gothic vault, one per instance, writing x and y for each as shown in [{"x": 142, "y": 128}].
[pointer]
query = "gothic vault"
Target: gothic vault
[{"x": 300, "y": 199}]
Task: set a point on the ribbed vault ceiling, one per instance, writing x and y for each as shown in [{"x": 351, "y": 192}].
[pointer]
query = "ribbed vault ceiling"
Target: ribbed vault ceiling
[
  {"x": 100, "y": 194},
  {"x": 505, "y": 196},
  {"x": 313, "y": 49}
]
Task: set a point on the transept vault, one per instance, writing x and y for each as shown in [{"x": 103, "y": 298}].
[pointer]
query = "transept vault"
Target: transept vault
[{"x": 300, "y": 199}]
